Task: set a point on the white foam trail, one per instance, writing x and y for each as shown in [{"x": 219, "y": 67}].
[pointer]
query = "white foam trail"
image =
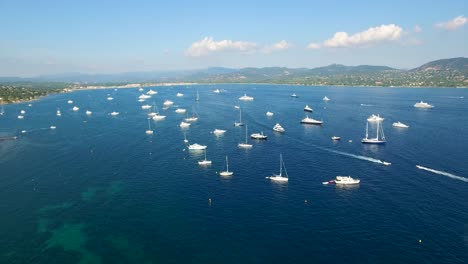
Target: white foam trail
[
  {"x": 366, "y": 105},
  {"x": 359, "y": 157},
  {"x": 450, "y": 175}
]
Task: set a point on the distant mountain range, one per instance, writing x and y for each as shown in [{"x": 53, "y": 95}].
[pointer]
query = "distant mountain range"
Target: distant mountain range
[{"x": 444, "y": 73}]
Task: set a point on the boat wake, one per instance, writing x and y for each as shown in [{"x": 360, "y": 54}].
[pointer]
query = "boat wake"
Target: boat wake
[
  {"x": 359, "y": 157},
  {"x": 450, "y": 175},
  {"x": 366, "y": 105}
]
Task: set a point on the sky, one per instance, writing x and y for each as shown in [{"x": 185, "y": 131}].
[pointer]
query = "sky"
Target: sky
[{"x": 53, "y": 37}]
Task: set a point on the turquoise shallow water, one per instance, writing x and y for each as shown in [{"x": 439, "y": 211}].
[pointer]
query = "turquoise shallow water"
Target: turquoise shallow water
[{"x": 99, "y": 190}]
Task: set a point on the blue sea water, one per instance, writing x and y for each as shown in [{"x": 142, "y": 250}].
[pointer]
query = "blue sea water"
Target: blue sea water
[{"x": 99, "y": 190}]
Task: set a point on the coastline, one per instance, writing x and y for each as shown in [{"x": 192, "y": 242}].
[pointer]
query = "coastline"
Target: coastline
[{"x": 141, "y": 85}]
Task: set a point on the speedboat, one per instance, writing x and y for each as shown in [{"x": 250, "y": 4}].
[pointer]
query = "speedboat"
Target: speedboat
[
  {"x": 259, "y": 136},
  {"x": 311, "y": 121},
  {"x": 145, "y": 107},
  {"x": 88, "y": 112},
  {"x": 70, "y": 101},
  {"x": 278, "y": 128},
  {"x": 375, "y": 118},
  {"x": 75, "y": 108},
  {"x": 219, "y": 132},
  {"x": 245, "y": 97},
  {"x": 217, "y": 91},
  {"x": 179, "y": 94},
  {"x": 346, "y": 180},
  {"x": 294, "y": 95},
  {"x": 110, "y": 98},
  {"x": 423, "y": 105},
  {"x": 269, "y": 113},
  {"x": 168, "y": 103},
  {"x": 335, "y": 138},
  {"x": 181, "y": 110},
  {"x": 307, "y": 108},
  {"x": 326, "y": 98},
  {"x": 53, "y": 127},
  {"x": 183, "y": 124},
  {"x": 151, "y": 92},
  {"x": 400, "y": 125},
  {"x": 114, "y": 113},
  {"x": 196, "y": 147}
]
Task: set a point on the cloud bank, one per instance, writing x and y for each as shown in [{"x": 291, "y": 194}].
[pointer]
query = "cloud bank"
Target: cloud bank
[
  {"x": 208, "y": 46},
  {"x": 453, "y": 24},
  {"x": 372, "y": 35},
  {"x": 282, "y": 45}
]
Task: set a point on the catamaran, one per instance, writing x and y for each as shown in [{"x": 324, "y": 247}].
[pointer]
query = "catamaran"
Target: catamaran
[
  {"x": 379, "y": 138},
  {"x": 279, "y": 177},
  {"x": 245, "y": 145},
  {"x": 226, "y": 172}
]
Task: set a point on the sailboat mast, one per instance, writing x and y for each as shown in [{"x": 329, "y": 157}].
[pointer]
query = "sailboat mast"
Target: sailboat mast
[
  {"x": 227, "y": 164},
  {"x": 281, "y": 165},
  {"x": 367, "y": 130},
  {"x": 245, "y": 134},
  {"x": 378, "y": 128},
  {"x": 240, "y": 115}
]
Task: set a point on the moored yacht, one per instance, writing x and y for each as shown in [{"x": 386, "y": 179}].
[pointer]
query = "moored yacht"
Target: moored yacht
[
  {"x": 336, "y": 138},
  {"x": 205, "y": 161},
  {"x": 245, "y": 97},
  {"x": 75, "y": 108},
  {"x": 219, "y": 132},
  {"x": 114, "y": 113},
  {"x": 269, "y": 113},
  {"x": 346, "y": 180},
  {"x": 70, "y": 101},
  {"x": 168, "y": 103},
  {"x": 179, "y": 94},
  {"x": 151, "y": 92},
  {"x": 144, "y": 96},
  {"x": 226, "y": 172},
  {"x": 311, "y": 121},
  {"x": 423, "y": 105},
  {"x": 184, "y": 124},
  {"x": 294, "y": 95},
  {"x": 88, "y": 112},
  {"x": 245, "y": 144},
  {"x": 379, "y": 138},
  {"x": 181, "y": 110},
  {"x": 278, "y": 128},
  {"x": 375, "y": 118},
  {"x": 259, "y": 136},
  {"x": 307, "y": 108},
  {"x": 400, "y": 125},
  {"x": 326, "y": 99},
  {"x": 58, "y": 112},
  {"x": 144, "y": 107},
  {"x": 196, "y": 147}
]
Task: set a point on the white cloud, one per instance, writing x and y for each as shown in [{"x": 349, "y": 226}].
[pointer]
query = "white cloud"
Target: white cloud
[
  {"x": 208, "y": 46},
  {"x": 313, "y": 46},
  {"x": 453, "y": 24},
  {"x": 417, "y": 29},
  {"x": 282, "y": 45},
  {"x": 372, "y": 35}
]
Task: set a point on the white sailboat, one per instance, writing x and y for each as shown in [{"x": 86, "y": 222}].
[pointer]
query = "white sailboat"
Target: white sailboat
[
  {"x": 226, "y": 172},
  {"x": 193, "y": 118},
  {"x": 245, "y": 97},
  {"x": 379, "y": 138},
  {"x": 76, "y": 108},
  {"x": 58, "y": 112},
  {"x": 185, "y": 138},
  {"x": 240, "y": 119},
  {"x": 279, "y": 177},
  {"x": 205, "y": 161},
  {"x": 149, "y": 131},
  {"x": 183, "y": 124},
  {"x": 179, "y": 94},
  {"x": 245, "y": 145},
  {"x": 219, "y": 132}
]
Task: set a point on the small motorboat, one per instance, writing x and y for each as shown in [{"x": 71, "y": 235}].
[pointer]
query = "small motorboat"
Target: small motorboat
[
  {"x": 307, "y": 108},
  {"x": 259, "y": 136},
  {"x": 278, "y": 128},
  {"x": 399, "y": 125},
  {"x": 336, "y": 138}
]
